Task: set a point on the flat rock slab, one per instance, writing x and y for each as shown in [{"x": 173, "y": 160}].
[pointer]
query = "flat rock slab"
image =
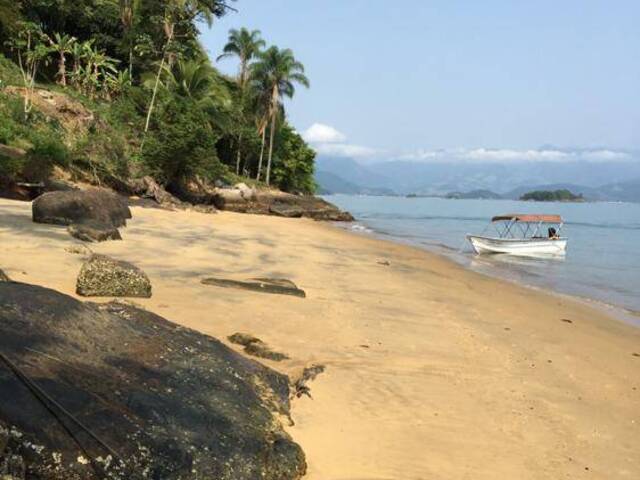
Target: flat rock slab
[
  {"x": 170, "y": 402},
  {"x": 256, "y": 347},
  {"x": 102, "y": 276},
  {"x": 92, "y": 231},
  {"x": 280, "y": 286},
  {"x": 79, "y": 206}
]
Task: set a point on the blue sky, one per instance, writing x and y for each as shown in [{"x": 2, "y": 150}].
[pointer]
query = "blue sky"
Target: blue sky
[{"x": 405, "y": 79}]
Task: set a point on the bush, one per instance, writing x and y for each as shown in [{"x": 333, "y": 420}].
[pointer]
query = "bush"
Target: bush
[
  {"x": 9, "y": 72},
  {"x": 181, "y": 144}
]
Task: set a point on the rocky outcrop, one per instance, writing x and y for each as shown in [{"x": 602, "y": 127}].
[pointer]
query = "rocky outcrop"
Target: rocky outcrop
[
  {"x": 280, "y": 286},
  {"x": 144, "y": 397},
  {"x": 79, "y": 206},
  {"x": 147, "y": 189},
  {"x": 278, "y": 203},
  {"x": 103, "y": 276},
  {"x": 93, "y": 232},
  {"x": 4, "y": 277}
]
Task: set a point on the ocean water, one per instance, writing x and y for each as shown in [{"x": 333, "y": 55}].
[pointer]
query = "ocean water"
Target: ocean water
[{"x": 603, "y": 253}]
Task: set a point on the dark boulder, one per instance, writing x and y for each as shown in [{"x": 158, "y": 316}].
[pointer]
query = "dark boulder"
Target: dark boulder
[
  {"x": 94, "y": 232},
  {"x": 79, "y": 206},
  {"x": 161, "y": 401},
  {"x": 103, "y": 276}
]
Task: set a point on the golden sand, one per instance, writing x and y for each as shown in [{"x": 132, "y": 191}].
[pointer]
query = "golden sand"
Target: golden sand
[{"x": 433, "y": 371}]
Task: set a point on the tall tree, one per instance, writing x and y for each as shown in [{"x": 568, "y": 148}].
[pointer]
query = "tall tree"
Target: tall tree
[
  {"x": 62, "y": 45},
  {"x": 276, "y": 72},
  {"x": 128, "y": 11},
  {"x": 245, "y": 45}
]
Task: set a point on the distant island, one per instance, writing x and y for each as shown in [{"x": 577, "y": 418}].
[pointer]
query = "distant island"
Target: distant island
[
  {"x": 474, "y": 194},
  {"x": 563, "y": 195}
]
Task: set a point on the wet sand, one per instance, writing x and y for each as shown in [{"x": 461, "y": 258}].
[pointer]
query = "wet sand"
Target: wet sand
[{"x": 433, "y": 371}]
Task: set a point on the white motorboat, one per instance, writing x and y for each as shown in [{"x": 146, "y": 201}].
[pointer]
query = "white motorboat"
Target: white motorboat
[{"x": 522, "y": 234}]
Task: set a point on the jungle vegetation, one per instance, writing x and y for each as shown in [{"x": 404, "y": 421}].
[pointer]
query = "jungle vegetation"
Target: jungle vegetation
[{"x": 161, "y": 106}]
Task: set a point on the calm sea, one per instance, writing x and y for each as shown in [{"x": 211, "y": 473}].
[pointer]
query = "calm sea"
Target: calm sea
[{"x": 602, "y": 261}]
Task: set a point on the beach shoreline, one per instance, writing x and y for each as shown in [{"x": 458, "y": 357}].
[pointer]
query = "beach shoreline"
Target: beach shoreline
[
  {"x": 431, "y": 370},
  {"x": 618, "y": 312}
]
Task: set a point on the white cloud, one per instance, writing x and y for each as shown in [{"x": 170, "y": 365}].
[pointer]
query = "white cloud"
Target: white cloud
[
  {"x": 491, "y": 155},
  {"x": 327, "y": 140},
  {"x": 346, "y": 150},
  {"x": 321, "y": 133}
]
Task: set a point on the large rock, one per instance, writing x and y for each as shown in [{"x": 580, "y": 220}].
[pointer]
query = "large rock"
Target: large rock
[
  {"x": 103, "y": 276},
  {"x": 93, "y": 232},
  {"x": 170, "y": 402},
  {"x": 79, "y": 206},
  {"x": 279, "y": 204}
]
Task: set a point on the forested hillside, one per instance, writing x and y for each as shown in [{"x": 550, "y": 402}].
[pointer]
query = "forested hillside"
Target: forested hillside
[{"x": 113, "y": 90}]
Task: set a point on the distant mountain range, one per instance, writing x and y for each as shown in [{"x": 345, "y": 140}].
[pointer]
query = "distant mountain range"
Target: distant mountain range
[{"x": 610, "y": 181}]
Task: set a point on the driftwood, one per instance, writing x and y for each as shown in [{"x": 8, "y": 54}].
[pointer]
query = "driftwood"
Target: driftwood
[{"x": 280, "y": 286}]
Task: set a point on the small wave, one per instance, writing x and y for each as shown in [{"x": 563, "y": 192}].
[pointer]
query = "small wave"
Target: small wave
[{"x": 356, "y": 227}]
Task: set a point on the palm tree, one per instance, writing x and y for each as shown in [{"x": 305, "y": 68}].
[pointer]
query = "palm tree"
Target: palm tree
[
  {"x": 245, "y": 45},
  {"x": 79, "y": 52},
  {"x": 197, "y": 80},
  {"x": 62, "y": 45},
  {"x": 98, "y": 64},
  {"x": 275, "y": 73}
]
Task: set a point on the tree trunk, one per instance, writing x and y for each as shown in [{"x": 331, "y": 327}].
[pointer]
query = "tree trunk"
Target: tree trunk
[
  {"x": 271, "y": 136},
  {"x": 169, "y": 29},
  {"x": 264, "y": 134},
  {"x": 238, "y": 154},
  {"x": 62, "y": 70},
  {"x": 153, "y": 96}
]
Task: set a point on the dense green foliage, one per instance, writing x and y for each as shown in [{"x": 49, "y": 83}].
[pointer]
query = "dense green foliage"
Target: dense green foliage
[
  {"x": 294, "y": 171},
  {"x": 552, "y": 196},
  {"x": 160, "y": 107},
  {"x": 40, "y": 138}
]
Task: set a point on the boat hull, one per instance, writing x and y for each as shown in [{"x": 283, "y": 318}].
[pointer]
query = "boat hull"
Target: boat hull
[{"x": 522, "y": 247}]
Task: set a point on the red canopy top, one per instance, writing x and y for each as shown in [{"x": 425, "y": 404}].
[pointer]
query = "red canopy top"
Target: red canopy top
[{"x": 529, "y": 218}]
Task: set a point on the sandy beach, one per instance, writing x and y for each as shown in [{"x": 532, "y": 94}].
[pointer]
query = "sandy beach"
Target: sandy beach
[{"x": 432, "y": 371}]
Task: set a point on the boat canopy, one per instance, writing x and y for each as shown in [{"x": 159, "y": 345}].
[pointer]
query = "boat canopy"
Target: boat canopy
[{"x": 528, "y": 218}]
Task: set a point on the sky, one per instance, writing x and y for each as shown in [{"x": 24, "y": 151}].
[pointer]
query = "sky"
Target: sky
[{"x": 474, "y": 78}]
